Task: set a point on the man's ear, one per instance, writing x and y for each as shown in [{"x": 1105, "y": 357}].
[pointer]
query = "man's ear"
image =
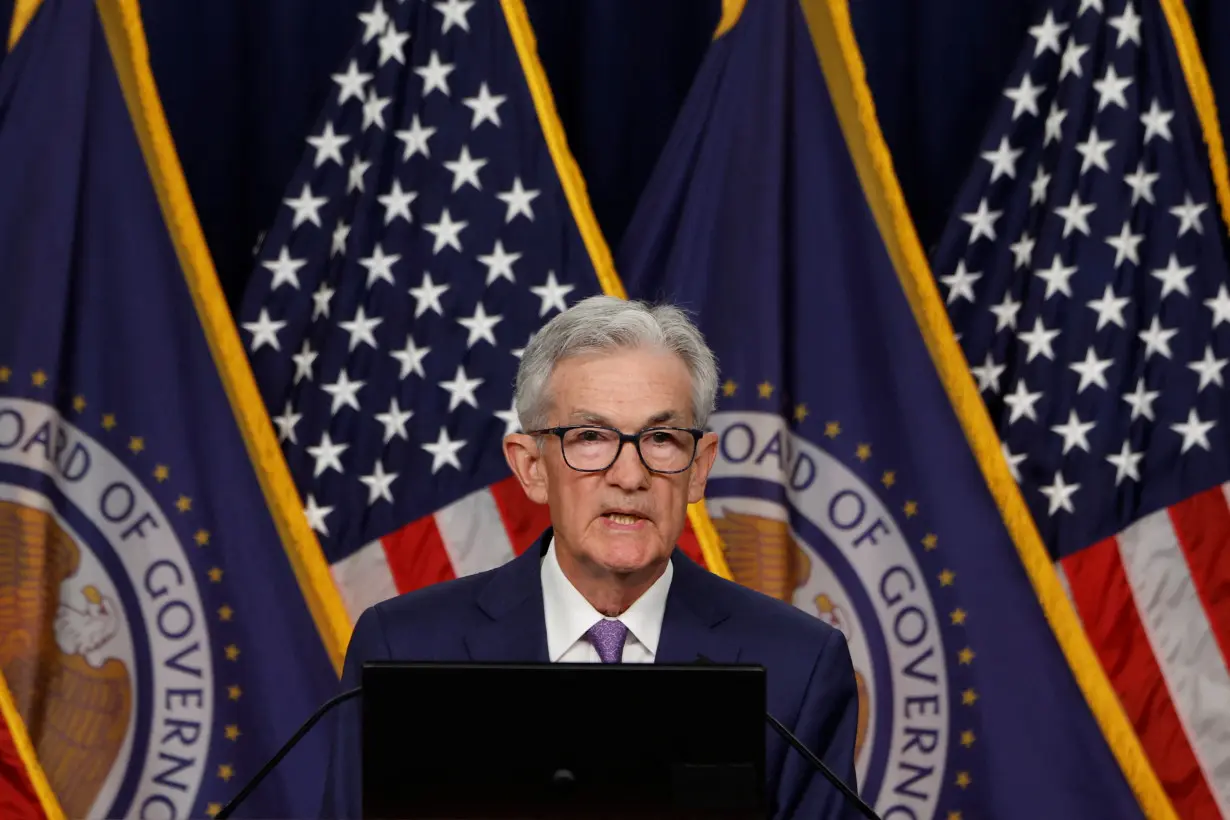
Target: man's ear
[
  {"x": 526, "y": 460},
  {"x": 706, "y": 452}
]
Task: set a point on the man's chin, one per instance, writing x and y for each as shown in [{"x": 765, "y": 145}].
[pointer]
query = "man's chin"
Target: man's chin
[{"x": 626, "y": 552}]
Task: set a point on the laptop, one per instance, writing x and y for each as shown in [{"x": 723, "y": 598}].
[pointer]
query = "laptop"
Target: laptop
[{"x": 502, "y": 741}]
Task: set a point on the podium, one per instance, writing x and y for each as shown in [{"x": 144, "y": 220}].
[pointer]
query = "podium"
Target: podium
[{"x": 551, "y": 741}]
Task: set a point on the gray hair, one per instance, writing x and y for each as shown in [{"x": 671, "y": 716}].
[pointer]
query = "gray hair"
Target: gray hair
[{"x": 602, "y": 323}]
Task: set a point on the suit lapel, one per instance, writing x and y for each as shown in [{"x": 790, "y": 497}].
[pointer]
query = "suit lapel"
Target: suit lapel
[
  {"x": 694, "y": 614},
  {"x": 515, "y": 631}
]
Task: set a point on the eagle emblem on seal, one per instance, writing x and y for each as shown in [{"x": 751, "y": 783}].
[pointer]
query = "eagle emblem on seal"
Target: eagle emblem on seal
[
  {"x": 74, "y": 698},
  {"x": 763, "y": 555}
]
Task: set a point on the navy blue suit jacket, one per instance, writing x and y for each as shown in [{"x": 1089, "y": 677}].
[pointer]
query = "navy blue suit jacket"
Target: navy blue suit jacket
[{"x": 498, "y": 616}]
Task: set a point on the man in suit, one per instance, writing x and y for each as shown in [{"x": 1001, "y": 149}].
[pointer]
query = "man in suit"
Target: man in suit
[{"x": 614, "y": 396}]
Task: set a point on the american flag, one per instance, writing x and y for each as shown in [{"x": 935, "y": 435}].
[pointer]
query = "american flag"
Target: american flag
[
  {"x": 1085, "y": 271},
  {"x": 425, "y": 236}
]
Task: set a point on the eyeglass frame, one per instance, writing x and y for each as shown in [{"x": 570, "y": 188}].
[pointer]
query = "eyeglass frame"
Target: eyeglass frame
[{"x": 696, "y": 433}]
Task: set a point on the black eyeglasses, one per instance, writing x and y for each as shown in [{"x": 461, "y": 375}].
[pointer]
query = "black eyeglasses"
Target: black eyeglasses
[{"x": 593, "y": 449}]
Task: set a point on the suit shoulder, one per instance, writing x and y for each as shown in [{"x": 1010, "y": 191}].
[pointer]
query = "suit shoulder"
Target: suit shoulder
[
  {"x": 764, "y": 612},
  {"x": 432, "y": 601}
]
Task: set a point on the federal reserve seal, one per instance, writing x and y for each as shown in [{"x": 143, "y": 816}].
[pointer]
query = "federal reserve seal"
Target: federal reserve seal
[
  {"x": 797, "y": 522},
  {"x": 103, "y": 636}
]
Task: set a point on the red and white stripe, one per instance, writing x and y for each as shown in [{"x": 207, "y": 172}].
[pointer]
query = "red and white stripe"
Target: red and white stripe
[{"x": 1155, "y": 603}]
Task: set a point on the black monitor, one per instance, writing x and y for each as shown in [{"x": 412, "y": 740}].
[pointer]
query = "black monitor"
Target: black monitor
[{"x": 501, "y": 741}]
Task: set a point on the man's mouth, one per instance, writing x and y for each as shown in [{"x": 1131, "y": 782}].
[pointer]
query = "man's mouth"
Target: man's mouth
[{"x": 627, "y": 519}]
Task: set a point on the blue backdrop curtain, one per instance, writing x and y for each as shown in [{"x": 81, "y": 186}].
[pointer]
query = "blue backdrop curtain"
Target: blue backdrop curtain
[{"x": 242, "y": 80}]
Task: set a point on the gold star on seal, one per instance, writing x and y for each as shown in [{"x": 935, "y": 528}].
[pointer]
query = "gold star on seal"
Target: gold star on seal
[
  {"x": 183, "y": 504},
  {"x": 863, "y": 452},
  {"x": 39, "y": 378},
  {"x": 911, "y": 509},
  {"x": 766, "y": 390},
  {"x": 929, "y": 541},
  {"x": 800, "y": 412},
  {"x": 201, "y": 537},
  {"x": 232, "y": 652},
  {"x": 225, "y": 612},
  {"x": 966, "y": 656},
  {"x": 79, "y": 403},
  {"x": 6, "y": 373},
  {"x": 213, "y": 809},
  {"x": 234, "y": 692},
  {"x": 889, "y": 478},
  {"x": 232, "y": 732},
  {"x": 946, "y": 578},
  {"x": 729, "y": 388},
  {"x": 226, "y": 771},
  {"x": 215, "y": 575},
  {"x": 832, "y": 429},
  {"x": 954, "y": 815},
  {"x": 108, "y": 422},
  {"x": 963, "y": 779},
  {"x": 967, "y": 738},
  {"x": 958, "y": 617},
  {"x": 136, "y": 444},
  {"x": 969, "y": 697}
]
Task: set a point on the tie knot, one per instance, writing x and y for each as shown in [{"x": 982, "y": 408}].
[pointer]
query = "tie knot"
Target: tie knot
[{"x": 608, "y": 638}]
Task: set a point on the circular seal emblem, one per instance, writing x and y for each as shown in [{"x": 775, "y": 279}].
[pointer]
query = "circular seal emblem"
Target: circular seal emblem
[
  {"x": 103, "y": 637},
  {"x": 801, "y": 525}
]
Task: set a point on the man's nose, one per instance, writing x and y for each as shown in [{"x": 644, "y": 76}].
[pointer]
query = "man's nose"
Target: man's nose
[{"x": 628, "y": 471}]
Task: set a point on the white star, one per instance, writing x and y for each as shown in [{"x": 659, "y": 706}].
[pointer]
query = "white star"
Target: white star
[
  {"x": 360, "y": 329},
  {"x": 1003, "y": 159},
  {"x": 1096, "y": 5},
  {"x": 427, "y": 296},
  {"x": 520, "y": 351},
  {"x": 1059, "y": 494},
  {"x": 373, "y": 110},
  {"x": 286, "y": 424},
  {"x": 320, "y": 301},
  {"x": 454, "y": 12},
  {"x": 485, "y": 106},
  {"x": 394, "y": 421},
  {"x": 1037, "y": 188},
  {"x": 465, "y": 169},
  {"x": 1157, "y": 339},
  {"x": 264, "y": 331},
  {"x": 1141, "y": 400},
  {"x": 380, "y": 265},
  {"x": 960, "y": 283},
  {"x": 499, "y": 263},
  {"x": 351, "y": 83},
  {"x": 411, "y": 358},
  {"x": 1057, "y": 277},
  {"x": 509, "y": 417},
  {"x": 1174, "y": 277},
  {"x": 1141, "y": 183},
  {"x": 444, "y": 451},
  {"x": 1005, "y": 313},
  {"x": 1189, "y": 215},
  {"x": 461, "y": 389},
  {"x": 552, "y": 294},
  {"x": 446, "y": 232},
  {"x": 303, "y": 362},
  {"x": 518, "y": 201},
  {"x": 306, "y": 207},
  {"x": 1071, "y": 59},
  {"x": 397, "y": 203},
  {"x": 1013, "y": 461},
  {"x": 1209, "y": 369},
  {"x": 480, "y": 325},
  {"x": 1109, "y": 308},
  {"x": 1039, "y": 340},
  {"x": 378, "y": 484},
  {"x": 316, "y": 515},
  {"x": 344, "y": 392},
  {"x": 1075, "y": 215},
  {"x": 1157, "y": 123},
  {"x": 988, "y": 374},
  {"x": 1022, "y": 402},
  {"x": 1024, "y": 97},
  {"x": 1094, "y": 151},
  {"x": 1126, "y": 244},
  {"x": 341, "y": 232},
  {"x": 328, "y": 146},
  {"x": 373, "y": 21},
  {"x": 1220, "y": 305},
  {"x": 1092, "y": 371},
  {"x": 1047, "y": 34},
  {"x": 1111, "y": 87},
  {"x": 354, "y": 180},
  {"x": 284, "y": 269},
  {"x": 1126, "y": 464},
  {"x": 1194, "y": 432},
  {"x": 1128, "y": 26},
  {"x": 327, "y": 455},
  {"x": 981, "y": 221},
  {"x": 1023, "y": 250},
  {"x": 1054, "y": 124},
  {"x": 1075, "y": 432},
  {"x": 415, "y": 139},
  {"x": 435, "y": 75},
  {"x": 393, "y": 45}
]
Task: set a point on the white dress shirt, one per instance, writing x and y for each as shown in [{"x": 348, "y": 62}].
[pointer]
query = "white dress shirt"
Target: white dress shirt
[{"x": 569, "y": 616}]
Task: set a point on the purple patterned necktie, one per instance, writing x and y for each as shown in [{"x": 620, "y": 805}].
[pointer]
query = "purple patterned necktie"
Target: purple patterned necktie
[{"x": 608, "y": 638}]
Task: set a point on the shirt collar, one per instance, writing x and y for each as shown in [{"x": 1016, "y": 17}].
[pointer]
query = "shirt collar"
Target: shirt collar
[{"x": 569, "y": 616}]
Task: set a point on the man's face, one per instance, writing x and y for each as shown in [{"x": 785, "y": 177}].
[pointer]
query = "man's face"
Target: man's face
[{"x": 625, "y": 518}]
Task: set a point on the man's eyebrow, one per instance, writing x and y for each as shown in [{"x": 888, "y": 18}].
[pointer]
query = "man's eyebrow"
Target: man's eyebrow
[{"x": 590, "y": 417}]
